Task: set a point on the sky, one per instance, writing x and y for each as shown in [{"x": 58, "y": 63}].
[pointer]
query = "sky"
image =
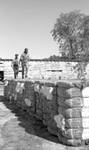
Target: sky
[{"x": 27, "y": 24}]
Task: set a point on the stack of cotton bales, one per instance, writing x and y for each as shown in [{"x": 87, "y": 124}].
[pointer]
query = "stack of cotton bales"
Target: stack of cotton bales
[
  {"x": 73, "y": 113},
  {"x": 63, "y": 107}
]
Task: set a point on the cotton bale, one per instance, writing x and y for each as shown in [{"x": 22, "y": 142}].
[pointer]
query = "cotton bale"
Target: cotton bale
[
  {"x": 72, "y": 113},
  {"x": 29, "y": 94},
  {"x": 73, "y": 133},
  {"x": 69, "y": 93},
  {"x": 71, "y": 142},
  {"x": 74, "y": 102},
  {"x": 77, "y": 123},
  {"x": 19, "y": 91}
]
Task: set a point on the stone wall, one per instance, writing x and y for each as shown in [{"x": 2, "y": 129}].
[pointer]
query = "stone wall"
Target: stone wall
[{"x": 62, "y": 106}]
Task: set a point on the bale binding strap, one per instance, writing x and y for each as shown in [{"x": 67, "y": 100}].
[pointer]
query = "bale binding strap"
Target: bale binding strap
[{"x": 63, "y": 106}]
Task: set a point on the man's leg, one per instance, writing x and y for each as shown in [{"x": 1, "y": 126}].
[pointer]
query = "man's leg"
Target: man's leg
[
  {"x": 16, "y": 72},
  {"x": 14, "y": 69},
  {"x": 26, "y": 72},
  {"x": 22, "y": 71},
  {"x": 14, "y": 75}
]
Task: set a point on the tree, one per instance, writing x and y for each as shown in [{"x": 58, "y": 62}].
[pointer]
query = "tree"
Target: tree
[
  {"x": 73, "y": 29},
  {"x": 85, "y": 35}
]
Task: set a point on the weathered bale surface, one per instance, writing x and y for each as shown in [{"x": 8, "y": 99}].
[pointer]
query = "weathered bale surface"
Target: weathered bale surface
[
  {"x": 73, "y": 113},
  {"x": 71, "y": 142},
  {"x": 81, "y": 133},
  {"x": 77, "y": 123},
  {"x": 38, "y": 100},
  {"x": 61, "y": 102},
  {"x": 9, "y": 90},
  {"x": 6, "y": 90},
  {"x": 47, "y": 116},
  {"x": 29, "y": 99},
  {"x": 76, "y": 112},
  {"x": 52, "y": 85},
  {"x": 73, "y": 133},
  {"x": 39, "y": 105},
  {"x": 74, "y": 102},
  {"x": 60, "y": 121},
  {"x": 73, "y": 123},
  {"x": 49, "y": 122},
  {"x": 19, "y": 93},
  {"x": 47, "y": 92},
  {"x": 69, "y": 93},
  {"x": 39, "y": 114},
  {"x": 65, "y": 85},
  {"x": 69, "y": 84},
  {"x": 7, "y": 84},
  {"x": 61, "y": 110},
  {"x": 52, "y": 131},
  {"x": 50, "y": 106}
]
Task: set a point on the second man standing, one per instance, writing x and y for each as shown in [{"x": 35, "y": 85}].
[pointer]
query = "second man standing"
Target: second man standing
[{"x": 24, "y": 59}]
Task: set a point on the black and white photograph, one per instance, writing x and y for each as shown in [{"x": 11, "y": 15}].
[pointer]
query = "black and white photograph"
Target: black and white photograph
[{"x": 44, "y": 75}]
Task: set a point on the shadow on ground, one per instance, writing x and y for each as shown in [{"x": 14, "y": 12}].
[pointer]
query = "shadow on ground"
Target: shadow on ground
[{"x": 30, "y": 123}]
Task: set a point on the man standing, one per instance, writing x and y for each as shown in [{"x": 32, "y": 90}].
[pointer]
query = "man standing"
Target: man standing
[
  {"x": 15, "y": 66},
  {"x": 24, "y": 59}
]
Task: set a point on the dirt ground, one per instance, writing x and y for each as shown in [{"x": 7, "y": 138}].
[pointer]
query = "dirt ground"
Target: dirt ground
[{"x": 20, "y": 131}]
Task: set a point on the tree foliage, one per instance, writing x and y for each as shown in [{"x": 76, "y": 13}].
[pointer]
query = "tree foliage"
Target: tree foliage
[{"x": 71, "y": 31}]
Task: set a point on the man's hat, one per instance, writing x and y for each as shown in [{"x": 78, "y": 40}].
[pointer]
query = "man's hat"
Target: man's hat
[{"x": 26, "y": 50}]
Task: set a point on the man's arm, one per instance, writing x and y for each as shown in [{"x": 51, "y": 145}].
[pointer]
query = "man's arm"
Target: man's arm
[
  {"x": 20, "y": 60},
  {"x": 28, "y": 58},
  {"x": 12, "y": 63}
]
